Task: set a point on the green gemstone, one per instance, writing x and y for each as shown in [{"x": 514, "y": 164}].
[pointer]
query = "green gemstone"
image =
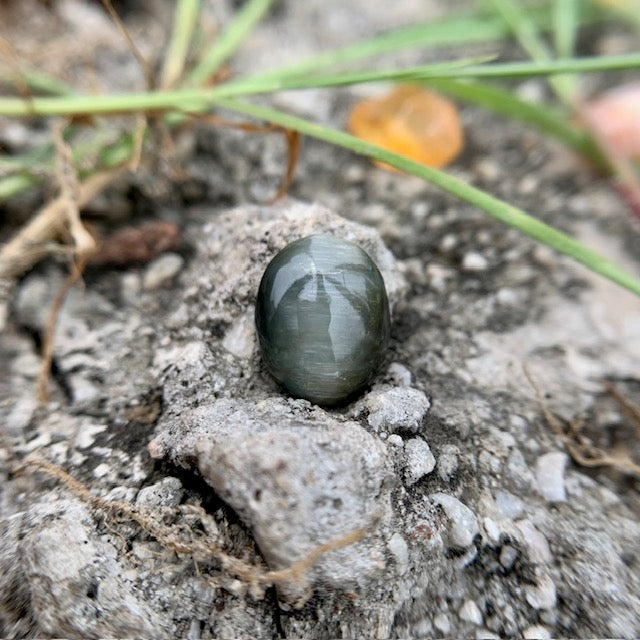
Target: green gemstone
[{"x": 322, "y": 318}]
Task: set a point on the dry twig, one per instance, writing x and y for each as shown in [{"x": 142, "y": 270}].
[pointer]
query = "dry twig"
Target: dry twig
[
  {"x": 581, "y": 448},
  {"x": 7, "y": 51},
  {"x": 205, "y": 547},
  {"x": 291, "y": 137},
  {"x": 35, "y": 240}
]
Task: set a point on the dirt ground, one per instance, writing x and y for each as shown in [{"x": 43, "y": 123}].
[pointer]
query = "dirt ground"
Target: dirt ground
[{"x": 173, "y": 490}]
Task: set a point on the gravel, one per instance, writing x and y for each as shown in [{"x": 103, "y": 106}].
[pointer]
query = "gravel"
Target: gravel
[{"x": 159, "y": 397}]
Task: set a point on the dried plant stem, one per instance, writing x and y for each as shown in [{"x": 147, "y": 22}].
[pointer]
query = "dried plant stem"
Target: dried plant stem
[
  {"x": 201, "y": 548},
  {"x": 33, "y": 241},
  {"x": 7, "y": 51},
  {"x": 582, "y": 450},
  {"x": 630, "y": 408},
  {"x": 50, "y": 330}
]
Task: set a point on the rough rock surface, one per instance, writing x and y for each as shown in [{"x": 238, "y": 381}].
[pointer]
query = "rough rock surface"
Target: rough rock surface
[
  {"x": 159, "y": 400},
  {"x": 299, "y": 478}
]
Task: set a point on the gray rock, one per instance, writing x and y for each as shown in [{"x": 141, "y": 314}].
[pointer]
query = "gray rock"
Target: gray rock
[
  {"x": 395, "y": 408},
  {"x": 419, "y": 461},
  {"x": 509, "y": 506},
  {"x": 469, "y": 612},
  {"x": 299, "y": 478},
  {"x": 463, "y": 526},
  {"x": 508, "y": 556},
  {"x": 536, "y": 632},
  {"x": 542, "y": 595},
  {"x": 20, "y": 415},
  {"x": 550, "y": 476},
  {"x": 240, "y": 339},
  {"x": 400, "y": 375},
  {"x": 536, "y": 544},
  {"x": 448, "y": 462},
  {"x": 474, "y": 261},
  {"x": 77, "y": 587},
  {"x": 442, "y": 624},
  {"x": 400, "y": 551},
  {"x": 166, "y": 493}
]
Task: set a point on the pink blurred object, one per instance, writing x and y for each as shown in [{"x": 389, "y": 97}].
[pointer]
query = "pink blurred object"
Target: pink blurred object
[{"x": 615, "y": 119}]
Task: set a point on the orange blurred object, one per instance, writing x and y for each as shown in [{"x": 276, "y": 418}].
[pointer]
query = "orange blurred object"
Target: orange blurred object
[
  {"x": 615, "y": 118},
  {"x": 412, "y": 122}
]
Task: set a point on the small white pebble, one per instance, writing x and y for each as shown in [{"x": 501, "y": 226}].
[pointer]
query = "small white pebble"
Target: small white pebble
[
  {"x": 441, "y": 623},
  {"x": 550, "y": 476},
  {"x": 485, "y": 634},
  {"x": 542, "y": 595},
  {"x": 487, "y": 169},
  {"x": 395, "y": 440},
  {"x": 396, "y": 408},
  {"x": 528, "y": 184},
  {"x": 448, "y": 242},
  {"x": 608, "y": 497},
  {"x": 448, "y": 462},
  {"x": 397, "y": 545},
  {"x": 536, "y": 544},
  {"x": 162, "y": 271},
  {"x": 536, "y": 632},
  {"x": 508, "y": 297},
  {"x": 469, "y": 612},
  {"x": 166, "y": 493},
  {"x": 510, "y": 506},
  {"x": 463, "y": 526},
  {"x": 130, "y": 284},
  {"x": 419, "y": 461},
  {"x": 491, "y": 529},
  {"x": 474, "y": 261},
  {"x": 194, "y": 630},
  {"x": 508, "y": 556},
  {"x": 20, "y": 416},
  {"x": 400, "y": 374},
  {"x": 101, "y": 470},
  {"x": 240, "y": 338},
  {"x": 532, "y": 90}
]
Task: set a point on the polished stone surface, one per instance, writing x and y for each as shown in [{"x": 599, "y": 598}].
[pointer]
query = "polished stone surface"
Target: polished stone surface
[{"x": 322, "y": 318}]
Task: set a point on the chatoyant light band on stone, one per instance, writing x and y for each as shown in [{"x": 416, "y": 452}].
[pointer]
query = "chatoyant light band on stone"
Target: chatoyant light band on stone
[{"x": 322, "y": 318}]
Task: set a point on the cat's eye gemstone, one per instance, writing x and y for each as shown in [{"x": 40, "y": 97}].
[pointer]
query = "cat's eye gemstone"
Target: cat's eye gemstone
[{"x": 322, "y": 318}]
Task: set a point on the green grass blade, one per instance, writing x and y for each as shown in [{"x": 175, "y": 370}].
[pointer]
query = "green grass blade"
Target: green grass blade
[
  {"x": 262, "y": 85},
  {"x": 184, "y": 21},
  {"x": 550, "y": 121},
  {"x": 36, "y": 81},
  {"x": 525, "y": 30},
  {"x": 452, "y": 69},
  {"x": 230, "y": 39},
  {"x": 463, "y": 28},
  {"x": 199, "y": 99},
  {"x": 528, "y": 35},
  {"x": 14, "y": 184},
  {"x": 565, "y": 31},
  {"x": 453, "y": 30},
  {"x": 565, "y": 23},
  {"x": 495, "y": 207}
]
